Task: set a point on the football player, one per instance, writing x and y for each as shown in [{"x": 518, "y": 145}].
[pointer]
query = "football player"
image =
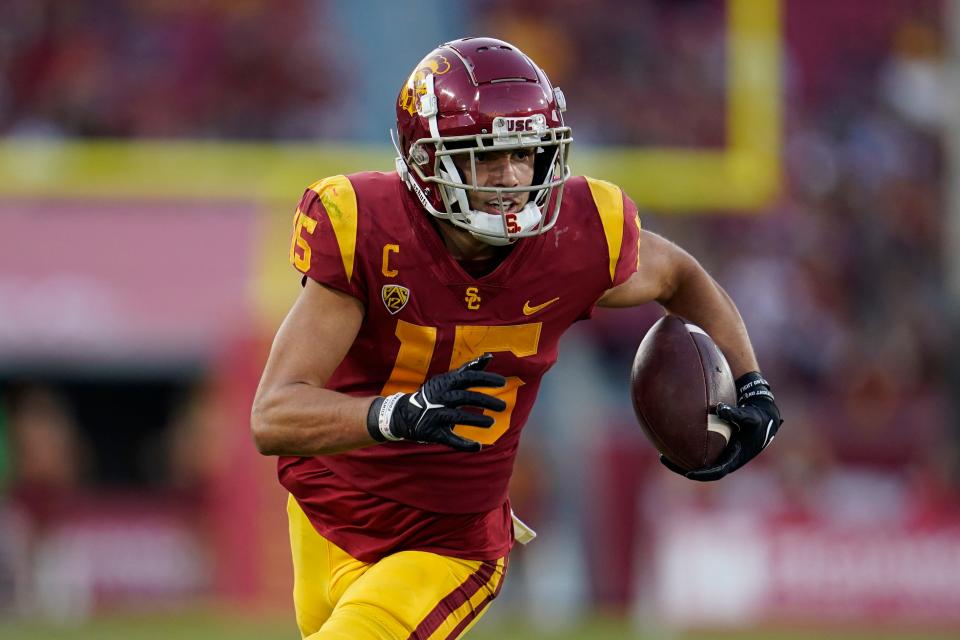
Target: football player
[{"x": 433, "y": 301}]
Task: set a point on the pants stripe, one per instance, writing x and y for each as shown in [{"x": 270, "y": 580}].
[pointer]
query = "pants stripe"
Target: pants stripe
[
  {"x": 453, "y": 600},
  {"x": 472, "y": 615}
]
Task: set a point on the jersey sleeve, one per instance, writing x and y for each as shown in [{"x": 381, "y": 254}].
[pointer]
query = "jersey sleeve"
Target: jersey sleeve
[
  {"x": 324, "y": 243},
  {"x": 629, "y": 259},
  {"x": 621, "y": 229}
]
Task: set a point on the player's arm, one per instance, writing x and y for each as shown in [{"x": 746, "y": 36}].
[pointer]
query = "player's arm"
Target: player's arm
[
  {"x": 669, "y": 275},
  {"x": 292, "y": 413}
]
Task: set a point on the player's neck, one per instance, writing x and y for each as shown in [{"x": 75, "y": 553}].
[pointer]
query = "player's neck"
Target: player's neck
[{"x": 463, "y": 246}]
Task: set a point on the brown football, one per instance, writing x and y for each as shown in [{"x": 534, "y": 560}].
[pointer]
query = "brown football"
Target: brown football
[{"x": 678, "y": 374}]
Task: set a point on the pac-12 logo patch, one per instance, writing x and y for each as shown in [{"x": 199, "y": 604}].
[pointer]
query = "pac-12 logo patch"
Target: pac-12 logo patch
[{"x": 394, "y": 297}]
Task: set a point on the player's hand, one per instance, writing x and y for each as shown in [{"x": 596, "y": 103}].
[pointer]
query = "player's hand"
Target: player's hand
[
  {"x": 432, "y": 411},
  {"x": 755, "y": 421}
]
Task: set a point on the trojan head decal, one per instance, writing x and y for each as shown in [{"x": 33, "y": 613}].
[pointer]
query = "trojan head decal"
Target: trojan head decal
[{"x": 414, "y": 88}]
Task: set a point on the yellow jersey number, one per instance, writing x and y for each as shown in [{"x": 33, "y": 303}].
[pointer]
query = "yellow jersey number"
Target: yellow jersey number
[
  {"x": 416, "y": 350},
  {"x": 301, "y": 259}
]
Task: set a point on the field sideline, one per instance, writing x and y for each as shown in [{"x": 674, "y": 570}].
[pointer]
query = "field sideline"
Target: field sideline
[{"x": 223, "y": 627}]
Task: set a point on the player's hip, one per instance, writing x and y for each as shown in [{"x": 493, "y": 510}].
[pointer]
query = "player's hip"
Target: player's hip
[{"x": 434, "y": 595}]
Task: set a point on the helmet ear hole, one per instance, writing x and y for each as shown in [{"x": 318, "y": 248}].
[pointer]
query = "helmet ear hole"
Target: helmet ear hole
[{"x": 419, "y": 155}]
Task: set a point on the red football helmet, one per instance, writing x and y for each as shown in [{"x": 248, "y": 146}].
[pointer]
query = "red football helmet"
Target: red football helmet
[{"x": 478, "y": 95}]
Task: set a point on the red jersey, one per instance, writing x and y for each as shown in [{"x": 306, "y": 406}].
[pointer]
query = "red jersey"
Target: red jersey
[{"x": 365, "y": 235}]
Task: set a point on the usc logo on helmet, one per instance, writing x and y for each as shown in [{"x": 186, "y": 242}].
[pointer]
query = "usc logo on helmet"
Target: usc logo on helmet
[{"x": 414, "y": 88}]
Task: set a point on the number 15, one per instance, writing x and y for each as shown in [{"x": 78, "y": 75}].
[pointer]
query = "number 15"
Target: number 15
[{"x": 416, "y": 351}]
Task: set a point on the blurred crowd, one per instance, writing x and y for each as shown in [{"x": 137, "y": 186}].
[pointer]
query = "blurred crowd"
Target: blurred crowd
[
  {"x": 841, "y": 281},
  {"x": 118, "y": 68}
]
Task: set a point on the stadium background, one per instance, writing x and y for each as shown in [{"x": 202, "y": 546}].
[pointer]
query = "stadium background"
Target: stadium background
[{"x": 806, "y": 151}]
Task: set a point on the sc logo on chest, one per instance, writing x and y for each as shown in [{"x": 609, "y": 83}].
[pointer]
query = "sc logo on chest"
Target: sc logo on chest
[{"x": 472, "y": 298}]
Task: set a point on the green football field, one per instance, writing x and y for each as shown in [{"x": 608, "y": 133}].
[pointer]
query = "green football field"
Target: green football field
[{"x": 224, "y": 627}]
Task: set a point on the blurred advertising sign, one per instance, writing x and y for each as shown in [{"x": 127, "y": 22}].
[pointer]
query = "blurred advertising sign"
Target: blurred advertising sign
[
  {"x": 111, "y": 551},
  {"x": 122, "y": 278},
  {"x": 715, "y": 569}
]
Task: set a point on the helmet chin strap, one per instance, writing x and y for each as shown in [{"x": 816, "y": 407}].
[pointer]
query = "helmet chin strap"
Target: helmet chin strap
[
  {"x": 428, "y": 109},
  {"x": 488, "y": 227}
]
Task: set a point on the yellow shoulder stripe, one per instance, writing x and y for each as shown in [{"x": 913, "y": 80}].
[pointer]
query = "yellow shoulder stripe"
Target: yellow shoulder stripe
[
  {"x": 340, "y": 200},
  {"x": 609, "y": 201}
]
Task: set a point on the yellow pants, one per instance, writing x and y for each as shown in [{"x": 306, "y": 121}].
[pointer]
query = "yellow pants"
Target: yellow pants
[{"x": 410, "y": 594}]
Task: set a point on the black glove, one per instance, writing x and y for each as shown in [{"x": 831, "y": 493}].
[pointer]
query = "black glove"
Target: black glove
[
  {"x": 755, "y": 421},
  {"x": 432, "y": 411}
]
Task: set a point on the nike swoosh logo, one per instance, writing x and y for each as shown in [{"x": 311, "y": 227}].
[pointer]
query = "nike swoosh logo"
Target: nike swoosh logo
[
  {"x": 767, "y": 438},
  {"x": 529, "y": 311}
]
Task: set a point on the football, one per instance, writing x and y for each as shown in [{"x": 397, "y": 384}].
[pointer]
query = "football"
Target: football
[{"x": 678, "y": 374}]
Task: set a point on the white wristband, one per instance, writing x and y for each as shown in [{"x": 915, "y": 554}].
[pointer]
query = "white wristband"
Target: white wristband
[{"x": 386, "y": 411}]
